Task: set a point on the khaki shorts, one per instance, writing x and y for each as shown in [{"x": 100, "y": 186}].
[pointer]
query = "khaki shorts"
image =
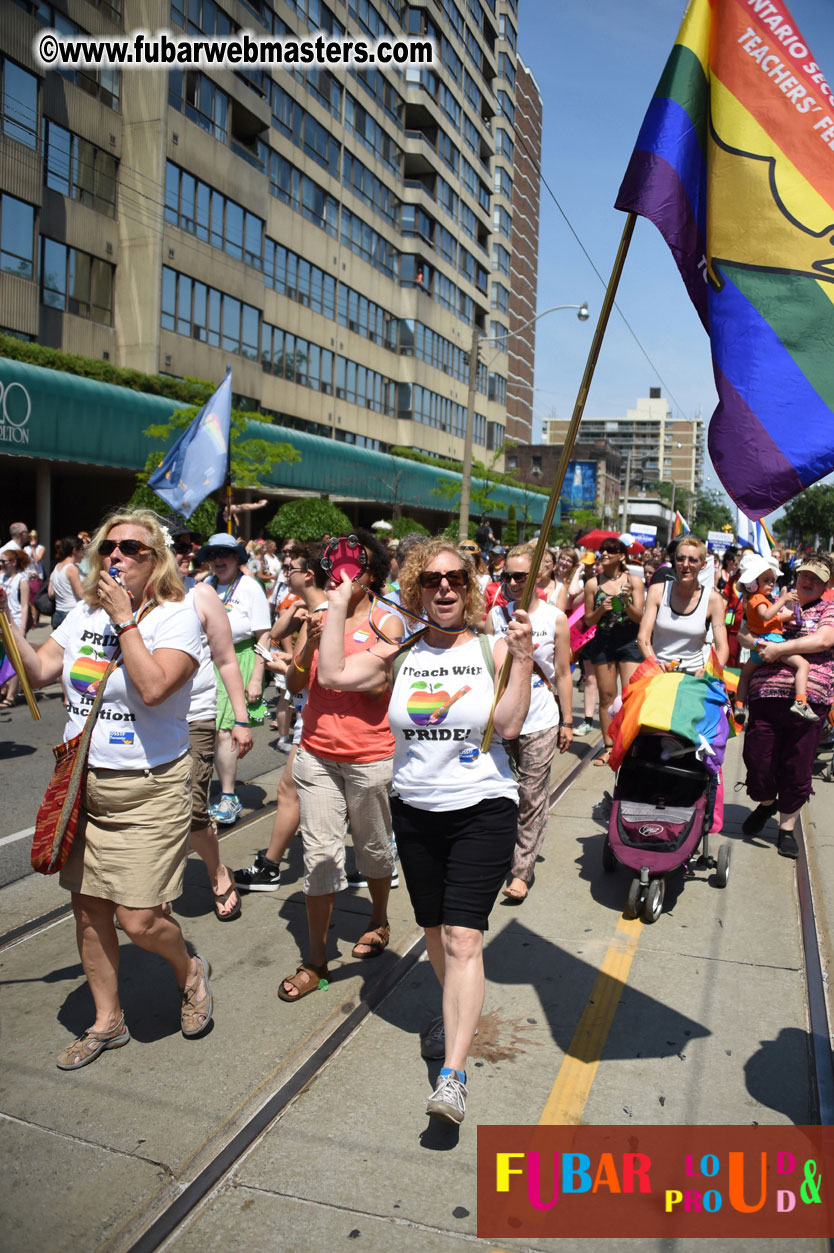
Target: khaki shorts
[
  {"x": 132, "y": 840},
  {"x": 201, "y": 736},
  {"x": 333, "y": 795}
]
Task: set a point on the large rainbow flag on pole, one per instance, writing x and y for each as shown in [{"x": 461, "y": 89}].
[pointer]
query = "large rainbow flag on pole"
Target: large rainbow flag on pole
[{"x": 734, "y": 164}]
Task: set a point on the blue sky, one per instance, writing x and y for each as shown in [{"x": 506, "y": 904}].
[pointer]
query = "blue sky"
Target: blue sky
[{"x": 597, "y": 63}]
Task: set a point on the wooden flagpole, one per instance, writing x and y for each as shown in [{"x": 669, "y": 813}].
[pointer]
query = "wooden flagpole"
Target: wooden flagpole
[
  {"x": 567, "y": 453},
  {"x": 13, "y": 654}
]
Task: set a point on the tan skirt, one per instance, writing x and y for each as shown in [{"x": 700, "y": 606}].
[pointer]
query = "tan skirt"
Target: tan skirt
[{"x": 132, "y": 841}]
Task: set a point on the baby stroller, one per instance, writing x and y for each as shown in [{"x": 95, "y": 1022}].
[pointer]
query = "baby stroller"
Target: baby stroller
[{"x": 661, "y": 813}]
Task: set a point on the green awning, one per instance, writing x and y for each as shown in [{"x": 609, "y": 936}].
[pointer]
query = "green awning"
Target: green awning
[{"x": 56, "y": 416}]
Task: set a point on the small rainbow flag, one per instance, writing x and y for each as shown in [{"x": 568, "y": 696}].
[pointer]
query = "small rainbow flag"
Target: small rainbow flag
[
  {"x": 659, "y": 700},
  {"x": 681, "y": 526}
]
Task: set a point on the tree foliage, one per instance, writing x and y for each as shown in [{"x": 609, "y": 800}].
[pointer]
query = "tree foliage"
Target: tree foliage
[
  {"x": 308, "y": 519},
  {"x": 809, "y": 518},
  {"x": 710, "y": 512},
  {"x": 405, "y": 526}
]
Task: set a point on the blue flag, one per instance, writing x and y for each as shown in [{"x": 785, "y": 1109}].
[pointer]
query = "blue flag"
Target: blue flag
[{"x": 196, "y": 464}]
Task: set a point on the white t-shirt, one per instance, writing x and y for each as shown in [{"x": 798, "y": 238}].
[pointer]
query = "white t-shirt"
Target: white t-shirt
[
  {"x": 11, "y": 586},
  {"x": 35, "y": 567},
  {"x": 128, "y": 735},
  {"x": 203, "y": 707},
  {"x": 439, "y": 765},
  {"x": 544, "y": 710},
  {"x": 246, "y": 605}
]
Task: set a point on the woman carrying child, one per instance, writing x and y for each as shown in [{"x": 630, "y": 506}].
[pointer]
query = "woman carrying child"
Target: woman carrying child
[{"x": 765, "y": 620}]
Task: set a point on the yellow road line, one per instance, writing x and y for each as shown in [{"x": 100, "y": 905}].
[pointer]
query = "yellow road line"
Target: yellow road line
[{"x": 576, "y": 1074}]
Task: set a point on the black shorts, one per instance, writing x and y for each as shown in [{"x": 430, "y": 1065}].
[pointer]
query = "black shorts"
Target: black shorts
[
  {"x": 617, "y": 644},
  {"x": 455, "y": 861}
]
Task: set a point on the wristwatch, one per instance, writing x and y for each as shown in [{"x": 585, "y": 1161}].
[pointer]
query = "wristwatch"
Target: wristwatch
[{"x": 118, "y": 627}]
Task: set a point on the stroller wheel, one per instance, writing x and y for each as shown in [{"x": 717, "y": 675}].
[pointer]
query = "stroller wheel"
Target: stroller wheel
[
  {"x": 654, "y": 900},
  {"x": 634, "y": 902},
  {"x": 722, "y": 872},
  {"x": 609, "y": 861}
]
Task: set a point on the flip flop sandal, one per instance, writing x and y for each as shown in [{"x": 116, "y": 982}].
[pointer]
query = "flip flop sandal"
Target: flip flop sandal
[
  {"x": 516, "y": 897},
  {"x": 221, "y": 898},
  {"x": 196, "y": 1012},
  {"x": 317, "y": 977},
  {"x": 88, "y": 1046},
  {"x": 376, "y": 941},
  {"x": 602, "y": 760}
]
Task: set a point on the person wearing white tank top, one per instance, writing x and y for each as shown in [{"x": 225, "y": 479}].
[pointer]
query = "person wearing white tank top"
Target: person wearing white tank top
[
  {"x": 454, "y": 806},
  {"x": 679, "y": 612},
  {"x": 549, "y": 719}
]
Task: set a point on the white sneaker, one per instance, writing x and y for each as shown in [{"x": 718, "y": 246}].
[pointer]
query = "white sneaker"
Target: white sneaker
[
  {"x": 448, "y": 1100},
  {"x": 357, "y": 880},
  {"x": 584, "y": 728},
  {"x": 226, "y": 811},
  {"x": 803, "y": 710}
]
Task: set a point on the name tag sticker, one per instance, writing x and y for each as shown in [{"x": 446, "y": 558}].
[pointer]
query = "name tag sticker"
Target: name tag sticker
[
  {"x": 360, "y": 636},
  {"x": 121, "y": 737},
  {"x": 467, "y": 755}
]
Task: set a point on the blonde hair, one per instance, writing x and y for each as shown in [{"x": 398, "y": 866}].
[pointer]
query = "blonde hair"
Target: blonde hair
[
  {"x": 164, "y": 583},
  {"x": 692, "y": 541},
  {"x": 521, "y": 550},
  {"x": 411, "y": 593}
]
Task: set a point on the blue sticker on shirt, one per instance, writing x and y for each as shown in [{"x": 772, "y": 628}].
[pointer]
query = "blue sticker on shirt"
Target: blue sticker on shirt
[
  {"x": 467, "y": 755},
  {"x": 121, "y": 737}
]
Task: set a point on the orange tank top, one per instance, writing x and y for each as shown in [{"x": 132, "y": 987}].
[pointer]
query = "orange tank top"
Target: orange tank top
[{"x": 347, "y": 726}]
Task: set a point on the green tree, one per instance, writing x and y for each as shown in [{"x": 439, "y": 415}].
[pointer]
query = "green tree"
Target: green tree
[
  {"x": 710, "y": 511},
  {"x": 510, "y": 535},
  {"x": 809, "y": 518},
  {"x": 308, "y": 519},
  {"x": 404, "y": 526}
]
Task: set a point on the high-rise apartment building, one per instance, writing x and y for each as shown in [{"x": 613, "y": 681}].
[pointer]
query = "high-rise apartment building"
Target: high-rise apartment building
[
  {"x": 524, "y": 258},
  {"x": 655, "y": 447},
  {"x": 335, "y": 237}
]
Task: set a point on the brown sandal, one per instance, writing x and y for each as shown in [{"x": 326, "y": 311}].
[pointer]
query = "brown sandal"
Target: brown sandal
[
  {"x": 376, "y": 941},
  {"x": 196, "y": 1012},
  {"x": 88, "y": 1046},
  {"x": 316, "y": 977}
]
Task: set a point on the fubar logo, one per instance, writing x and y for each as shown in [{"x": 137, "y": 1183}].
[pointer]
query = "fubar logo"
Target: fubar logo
[{"x": 15, "y": 409}]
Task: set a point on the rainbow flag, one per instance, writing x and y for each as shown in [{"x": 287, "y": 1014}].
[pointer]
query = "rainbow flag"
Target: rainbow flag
[
  {"x": 734, "y": 164},
  {"x": 681, "y": 526},
  {"x": 659, "y": 700}
]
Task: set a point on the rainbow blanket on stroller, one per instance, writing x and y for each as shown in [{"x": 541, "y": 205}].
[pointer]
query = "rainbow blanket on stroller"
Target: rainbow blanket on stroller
[{"x": 695, "y": 709}]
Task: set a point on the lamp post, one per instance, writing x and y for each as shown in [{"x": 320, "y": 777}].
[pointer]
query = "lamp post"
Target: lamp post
[{"x": 466, "y": 485}]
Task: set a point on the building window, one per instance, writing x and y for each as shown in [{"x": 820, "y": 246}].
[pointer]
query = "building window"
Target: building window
[
  {"x": 74, "y": 167},
  {"x": 17, "y": 237},
  {"x": 191, "y": 93},
  {"x": 203, "y": 313},
  {"x": 76, "y": 282},
  {"x": 500, "y": 298},
  {"x": 194, "y": 207},
  {"x": 19, "y": 103}
]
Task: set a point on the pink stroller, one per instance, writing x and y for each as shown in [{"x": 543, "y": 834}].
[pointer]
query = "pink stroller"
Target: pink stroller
[{"x": 660, "y": 815}]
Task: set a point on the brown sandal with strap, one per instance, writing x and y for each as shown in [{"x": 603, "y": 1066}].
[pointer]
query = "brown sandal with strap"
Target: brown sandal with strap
[
  {"x": 88, "y": 1046},
  {"x": 196, "y": 1012},
  {"x": 315, "y": 977},
  {"x": 376, "y": 941}
]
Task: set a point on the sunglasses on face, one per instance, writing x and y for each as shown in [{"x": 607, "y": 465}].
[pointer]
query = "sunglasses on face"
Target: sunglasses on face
[
  {"x": 127, "y": 547},
  {"x": 182, "y": 546},
  {"x": 689, "y": 561},
  {"x": 432, "y": 578},
  {"x": 515, "y": 576},
  {"x": 219, "y": 554}
]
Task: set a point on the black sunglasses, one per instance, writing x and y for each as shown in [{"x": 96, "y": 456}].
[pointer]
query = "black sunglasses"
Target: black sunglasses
[
  {"x": 127, "y": 547},
  {"x": 517, "y": 576},
  {"x": 432, "y": 578},
  {"x": 182, "y": 546}
]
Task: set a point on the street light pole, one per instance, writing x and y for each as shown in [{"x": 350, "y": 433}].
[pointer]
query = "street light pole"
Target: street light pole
[{"x": 477, "y": 342}]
